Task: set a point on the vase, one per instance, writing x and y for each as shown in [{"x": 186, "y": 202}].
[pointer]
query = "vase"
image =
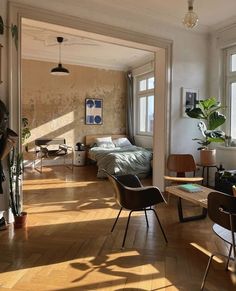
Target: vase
[
  {"x": 20, "y": 221},
  {"x": 208, "y": 157}
]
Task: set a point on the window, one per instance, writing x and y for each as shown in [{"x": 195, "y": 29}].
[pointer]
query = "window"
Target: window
[
  {"x": 230, "y": 92},
  {"x": 145, "y": 104}
]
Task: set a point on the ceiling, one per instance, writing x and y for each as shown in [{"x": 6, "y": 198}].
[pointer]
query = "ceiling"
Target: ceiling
[
  {"x": 39, "y": 43},
  {"x": 212, "y": 13}
]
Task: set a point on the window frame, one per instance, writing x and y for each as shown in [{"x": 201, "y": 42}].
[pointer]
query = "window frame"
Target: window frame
[
  {"x": 139, "y": 94},
  {"x": 230, "y": 77}
]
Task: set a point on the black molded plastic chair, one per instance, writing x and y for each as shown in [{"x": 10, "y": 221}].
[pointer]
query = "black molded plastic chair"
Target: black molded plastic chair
[
  {"x": 132, "y": 195},
  {"x": 222, "y": 210}
]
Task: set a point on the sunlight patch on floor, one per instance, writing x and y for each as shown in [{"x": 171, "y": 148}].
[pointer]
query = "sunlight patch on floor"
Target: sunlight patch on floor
[
  {"x": 40, "y": 185},
  {"x": 206, "y": 252}
]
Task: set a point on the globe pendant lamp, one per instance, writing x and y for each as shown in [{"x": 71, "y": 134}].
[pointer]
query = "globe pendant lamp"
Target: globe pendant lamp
[
  {"x": 190, "y": 19},
  {"x": 60, "y": 70}
]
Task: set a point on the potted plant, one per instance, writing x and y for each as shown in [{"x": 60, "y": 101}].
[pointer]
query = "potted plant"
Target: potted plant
[
  {"x": 25, "y": 132},
  {"x": 15, "y": 172},
  {"x": 211, "y": 119}
]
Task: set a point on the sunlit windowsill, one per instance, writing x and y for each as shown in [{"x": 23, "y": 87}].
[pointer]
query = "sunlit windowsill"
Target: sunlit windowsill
[{"x": 224, "y": 148}]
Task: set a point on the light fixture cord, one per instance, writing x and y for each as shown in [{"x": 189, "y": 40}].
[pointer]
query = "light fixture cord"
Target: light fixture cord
[
  {"x": 190, "y": 5},
  {"x": 59, "y": 53}
]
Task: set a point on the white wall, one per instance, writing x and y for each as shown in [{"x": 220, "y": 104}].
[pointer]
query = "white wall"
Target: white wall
[
  {"x": 190, "y": 57},
  {"x": 3, "y": 86}
]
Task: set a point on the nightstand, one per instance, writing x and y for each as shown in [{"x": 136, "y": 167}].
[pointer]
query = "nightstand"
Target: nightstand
[{"x": 79, "y": 158}]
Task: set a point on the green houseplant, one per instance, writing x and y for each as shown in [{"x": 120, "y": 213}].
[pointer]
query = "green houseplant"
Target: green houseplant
[
  {"x": 15, "y": 162},
  {"x": 208, "y": 111},
  {"x": 25, "y": 132},
  {"x": 10, "y": 150},
  {"x": 15, "y": 172}
]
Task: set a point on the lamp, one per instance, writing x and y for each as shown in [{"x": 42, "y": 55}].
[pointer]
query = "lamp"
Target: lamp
[
  {"x": 60, "y": 70},
  {"x": 190, "y": 19}
]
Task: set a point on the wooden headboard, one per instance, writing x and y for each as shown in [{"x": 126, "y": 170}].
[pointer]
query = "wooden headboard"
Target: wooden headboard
[{"x": 91, "y": 139}]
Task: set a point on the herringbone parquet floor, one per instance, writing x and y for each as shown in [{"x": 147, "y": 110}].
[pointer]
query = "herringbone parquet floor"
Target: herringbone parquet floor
[{"x": 68, "y": 245}]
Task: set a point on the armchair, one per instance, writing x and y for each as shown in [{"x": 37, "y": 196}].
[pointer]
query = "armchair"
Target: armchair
[{"x": 130, "y": 194}]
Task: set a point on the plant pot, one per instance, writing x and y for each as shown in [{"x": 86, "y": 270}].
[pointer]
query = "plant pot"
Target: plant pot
[
  {"x": 20, "y": 221},
  {"x": 207, "y": 157}
]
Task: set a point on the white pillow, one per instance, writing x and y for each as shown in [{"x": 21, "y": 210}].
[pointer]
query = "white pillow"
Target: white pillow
[
  {"x": 105, "y": 142},
  {"x": 122, "y": 142}
]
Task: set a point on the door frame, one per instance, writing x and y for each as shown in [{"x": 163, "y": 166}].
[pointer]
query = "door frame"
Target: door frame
[{"x": 162, "y": 48}]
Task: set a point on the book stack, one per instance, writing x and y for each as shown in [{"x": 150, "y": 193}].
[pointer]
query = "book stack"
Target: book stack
[{"x": 190, "y": 188}]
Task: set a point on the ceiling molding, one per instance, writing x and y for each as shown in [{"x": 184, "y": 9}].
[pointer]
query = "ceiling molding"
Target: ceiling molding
[{"x": 39, "y": 42}]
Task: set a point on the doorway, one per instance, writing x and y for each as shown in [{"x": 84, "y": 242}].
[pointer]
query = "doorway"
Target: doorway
[{"x": 162, "y": 66}]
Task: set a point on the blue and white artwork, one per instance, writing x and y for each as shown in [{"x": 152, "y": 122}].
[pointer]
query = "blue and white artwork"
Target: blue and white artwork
[{"x": 93, "y": 111}]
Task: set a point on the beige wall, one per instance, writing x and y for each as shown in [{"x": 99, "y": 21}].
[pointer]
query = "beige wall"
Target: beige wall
[{"x": 55, "y": 105}]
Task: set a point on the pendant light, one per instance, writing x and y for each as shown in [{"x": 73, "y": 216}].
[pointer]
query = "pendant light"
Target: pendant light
[
  {"x": 190, "y": 19},
  {"x": 60, "y": 70}
]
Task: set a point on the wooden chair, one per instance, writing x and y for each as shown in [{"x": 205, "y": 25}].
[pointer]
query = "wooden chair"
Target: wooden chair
[
  {"x": 130, "y": 194},
  {"x": 181, "y": 164},
  {"x": 222, "y": 211}
]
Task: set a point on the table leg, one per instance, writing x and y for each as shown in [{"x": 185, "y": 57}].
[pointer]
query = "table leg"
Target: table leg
[
  {"x": 203, "y": 172},
  {"x": 207, "y": 181},
  {"x": 189, "y": 218}
]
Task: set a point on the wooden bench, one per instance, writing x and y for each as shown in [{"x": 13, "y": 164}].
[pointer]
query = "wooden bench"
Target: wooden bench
[{"x": 52, "y": 148}]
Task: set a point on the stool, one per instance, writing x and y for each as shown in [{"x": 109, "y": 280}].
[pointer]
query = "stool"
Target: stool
[{"x": 207, "y": 168}]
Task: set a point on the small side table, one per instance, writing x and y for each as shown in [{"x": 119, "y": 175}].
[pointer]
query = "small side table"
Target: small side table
[
  {"x": 79, "y": 158},
  {"x": 207, "y": 167}
]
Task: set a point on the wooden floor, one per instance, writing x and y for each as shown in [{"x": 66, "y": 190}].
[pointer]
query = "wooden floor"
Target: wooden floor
[{"x": 68, "y": 244}]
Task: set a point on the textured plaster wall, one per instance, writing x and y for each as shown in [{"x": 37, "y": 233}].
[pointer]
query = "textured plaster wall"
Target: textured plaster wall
[{"x": 55, "y": 105}]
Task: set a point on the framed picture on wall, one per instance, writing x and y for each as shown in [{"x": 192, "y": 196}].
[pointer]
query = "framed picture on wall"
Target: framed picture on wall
[
  {"x": 93, "y": 111},
  {"x": 189, "y": 100}
]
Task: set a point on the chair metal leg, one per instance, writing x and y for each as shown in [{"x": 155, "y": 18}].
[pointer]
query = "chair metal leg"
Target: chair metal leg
[
  {"x": 160, "y": 224},
  {"x": 146, "y": 218},
  {"x": 227, "y": 263},
  {"x": 126, "y": 229},
  {"x": 206, "y": 272},
  {"x": 116, "y": 219}
]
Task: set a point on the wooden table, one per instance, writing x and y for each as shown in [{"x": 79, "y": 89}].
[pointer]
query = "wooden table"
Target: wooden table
[{"x": 198, "y": 198}]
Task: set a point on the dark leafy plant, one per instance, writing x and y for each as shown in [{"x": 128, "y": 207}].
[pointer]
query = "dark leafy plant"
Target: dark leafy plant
[
  {"x": 15, "y": 171},
  {"x": 208, "y": 111},
  {"x": 25, "y": 132},
  {"x": 14, "y": 31}
]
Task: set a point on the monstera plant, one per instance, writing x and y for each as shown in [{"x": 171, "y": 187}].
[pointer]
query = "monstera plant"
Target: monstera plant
[{"x": 208, "y": 112}]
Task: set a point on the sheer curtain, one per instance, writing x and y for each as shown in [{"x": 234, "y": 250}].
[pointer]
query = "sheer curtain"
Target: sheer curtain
[{"x": 130, "y": 107}]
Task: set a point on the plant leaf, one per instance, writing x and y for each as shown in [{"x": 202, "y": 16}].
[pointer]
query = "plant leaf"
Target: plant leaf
[
  {"x": 209, "y": 103},
  {"x": 216, "y": 119},
  {"x": 195, "y": 113},
  {"x": 14, "y": 34}
]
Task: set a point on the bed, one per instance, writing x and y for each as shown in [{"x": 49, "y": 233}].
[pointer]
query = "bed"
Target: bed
[{"x": 116, "y": 155}]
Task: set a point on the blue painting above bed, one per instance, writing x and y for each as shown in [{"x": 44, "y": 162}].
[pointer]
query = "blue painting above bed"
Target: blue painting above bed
[{"x": 93, "y": 111}]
